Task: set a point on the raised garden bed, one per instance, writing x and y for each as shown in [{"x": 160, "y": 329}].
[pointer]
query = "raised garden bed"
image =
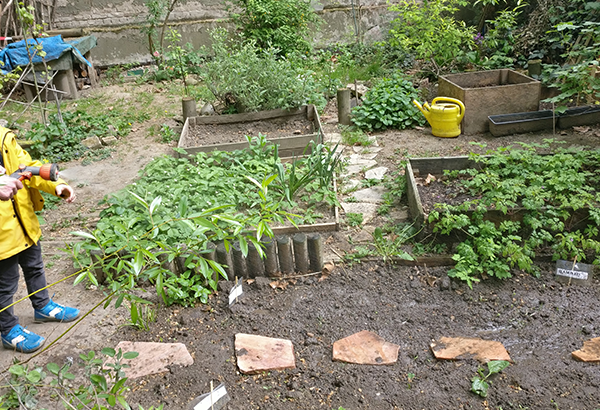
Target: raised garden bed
[
  {"x": 499, "y": 212},
  {"x": 291, "y": 130},
  {"x": 493, "y": 92}
]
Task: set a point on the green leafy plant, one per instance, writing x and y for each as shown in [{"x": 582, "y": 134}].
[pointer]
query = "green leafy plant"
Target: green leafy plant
[
  {"x": 353, "y": 136},
  {"x": 244, "y": 78},
  {"x": 60, "y": 141},
  {"x": 354, "y": 219},
  {"x": 107, "y": 381},
  {"x": 142, "y": 313},
  {"x": 479, "y": 383},
  {"x": 285, "y": 25},
  {"x": 167, "y": 134},
  {"x": 24, "y": 384},
  {"x": 176, "y": 55},
  {"x": 145, "y": 229},
  {"x": 430, "y": 31},
  {"x": 388, "y": 105},
  {"x": 549, "y": 191}
]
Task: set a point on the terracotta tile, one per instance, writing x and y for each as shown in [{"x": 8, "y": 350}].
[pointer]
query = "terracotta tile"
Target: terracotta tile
[
  {"x": 259, "y": 353},
  {"x": 154, "y": 357},
  {"x": 456, "y": 348},
  {"x": 365, "y": 348},
  {"x": 590, "y": 352}
]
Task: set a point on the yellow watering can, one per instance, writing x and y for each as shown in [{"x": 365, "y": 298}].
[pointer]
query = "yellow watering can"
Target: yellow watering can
[{"x": 444, "y": 116}]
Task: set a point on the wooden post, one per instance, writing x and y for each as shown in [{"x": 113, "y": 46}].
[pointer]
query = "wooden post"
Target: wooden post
[
  {"x": 343, "y": 103},
  {"x": 224, "y": 258},
  {"x": 315, "y": 252},
  {"x": 286, "y": 259},
  {"x": 189, "y": 107},
  {"x": 256, "y": 267},
  {"x": 271, "y": 265},
  {"x": 300, "y": 252},
  {"x": 534, "y": 68},
  {"x": 239, "y": 262}
]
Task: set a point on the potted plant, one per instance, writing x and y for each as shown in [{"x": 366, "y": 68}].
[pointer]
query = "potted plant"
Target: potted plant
[{"x": 176, "y": 52}]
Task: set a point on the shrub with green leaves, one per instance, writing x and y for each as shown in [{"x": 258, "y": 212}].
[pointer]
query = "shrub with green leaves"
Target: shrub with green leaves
[
  {"x": 430, "y": 31},
  {"x": 245, "y": 78},
  {"x": 286, "y": 25},
  {"x": 389, "y": 105}
]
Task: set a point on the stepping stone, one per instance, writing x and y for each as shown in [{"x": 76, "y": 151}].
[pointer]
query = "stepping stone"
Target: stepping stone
[
  {"x": 332, "y": 137},
  {"x": 376, "y": 173},
  {"x": 154, "y": 357},
  {"x": 256, "y": 354},
  {"x": 357, "y": 159},
  {"x": 367, "y": 210},
  {"x": 350, "y": 185},
  {"x": 373, "y": 195},
  {"x": 590, "y": 352},
  {"x": 365, "y": 348},
  {"x": 457, "y": 348}
]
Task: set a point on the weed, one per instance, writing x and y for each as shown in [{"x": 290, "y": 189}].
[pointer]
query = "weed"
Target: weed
[
  {"x": 353, "y": 136},
  {"x": 354, "y": 219},
  {"x": 167, "y": 134},
  {"x": 479, "y": 384}
]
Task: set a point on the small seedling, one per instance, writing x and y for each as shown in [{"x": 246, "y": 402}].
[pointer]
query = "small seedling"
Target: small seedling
[
  {"x": 410, "y": 377},
  {"x": 479, "y": 385}
]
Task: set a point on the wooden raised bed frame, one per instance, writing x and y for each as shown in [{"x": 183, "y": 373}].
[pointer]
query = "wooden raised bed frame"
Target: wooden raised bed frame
[{"x": 292, "y": 146}]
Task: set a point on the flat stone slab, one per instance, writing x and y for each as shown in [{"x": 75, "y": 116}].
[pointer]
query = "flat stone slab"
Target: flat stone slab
[
  {"x": 333, "y": 137},
  {"x": 373, "y": 195},
  {"x": 367, "y": 210},
  {"x": 256, "y": 354},
  {"x": 365, "y": 348},
  {"x": 590, "y": 352},
  {"x": 456, "y": 348},
  {"x": 154, "y": 357},
  {"x": 376, "y": 173}
]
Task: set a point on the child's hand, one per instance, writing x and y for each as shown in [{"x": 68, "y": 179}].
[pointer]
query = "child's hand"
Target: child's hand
[{"x": 66, "y": 192}]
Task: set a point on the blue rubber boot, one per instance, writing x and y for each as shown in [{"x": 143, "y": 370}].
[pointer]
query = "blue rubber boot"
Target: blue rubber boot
[
  {"x": 22, "y": 340},
  {"x": 53, "y": 312}
]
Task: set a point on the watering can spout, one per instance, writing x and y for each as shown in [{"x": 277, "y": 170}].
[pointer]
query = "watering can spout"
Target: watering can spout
[{"x": 424, "y": 109}]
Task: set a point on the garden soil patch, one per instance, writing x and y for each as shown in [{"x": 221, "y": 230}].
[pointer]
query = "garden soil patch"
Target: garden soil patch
[
  {"x": 211, "y": 134},
  {"x": 539, "y": 321}
]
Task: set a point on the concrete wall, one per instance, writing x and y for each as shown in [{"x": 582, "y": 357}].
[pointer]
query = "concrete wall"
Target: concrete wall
[{"x": 117, "y": 23}]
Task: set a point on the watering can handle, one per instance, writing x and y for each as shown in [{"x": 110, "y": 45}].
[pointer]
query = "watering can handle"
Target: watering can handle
[{"x": 454, "y": 101}]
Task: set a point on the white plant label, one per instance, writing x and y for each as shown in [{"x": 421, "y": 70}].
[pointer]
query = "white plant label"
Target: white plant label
[
  {"x": 212, "y": 399},
  {"x": 235, "y": 293},
  {"x": 572, "y": 270}
]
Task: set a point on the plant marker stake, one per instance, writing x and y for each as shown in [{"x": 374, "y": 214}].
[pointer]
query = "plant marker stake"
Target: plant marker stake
[
  {"x": 215, "y": 400},
  {"x": 573, "y": 268},
  {"x": 235, "y": 292}
]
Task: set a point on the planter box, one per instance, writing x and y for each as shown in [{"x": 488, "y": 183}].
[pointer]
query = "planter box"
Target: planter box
[
  {"x": 493, "y": 92},
  {"x": 421, "y": 167},
  {"x": 289, "y": 146},
  {"x": 587, "y": 115},
  {"x": 522, "y": 122}
]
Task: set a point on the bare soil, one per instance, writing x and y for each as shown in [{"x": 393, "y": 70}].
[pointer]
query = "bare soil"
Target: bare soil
[
  {"x": 211, "y": 134},
  {"x": 539, "y": 320}
]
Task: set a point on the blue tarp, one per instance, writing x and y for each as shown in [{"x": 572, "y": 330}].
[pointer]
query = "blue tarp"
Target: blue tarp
[{"x": 15, "y": 54}]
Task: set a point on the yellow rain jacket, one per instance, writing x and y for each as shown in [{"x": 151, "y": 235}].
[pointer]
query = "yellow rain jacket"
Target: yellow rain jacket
[{"x": 19, "y": 226}]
